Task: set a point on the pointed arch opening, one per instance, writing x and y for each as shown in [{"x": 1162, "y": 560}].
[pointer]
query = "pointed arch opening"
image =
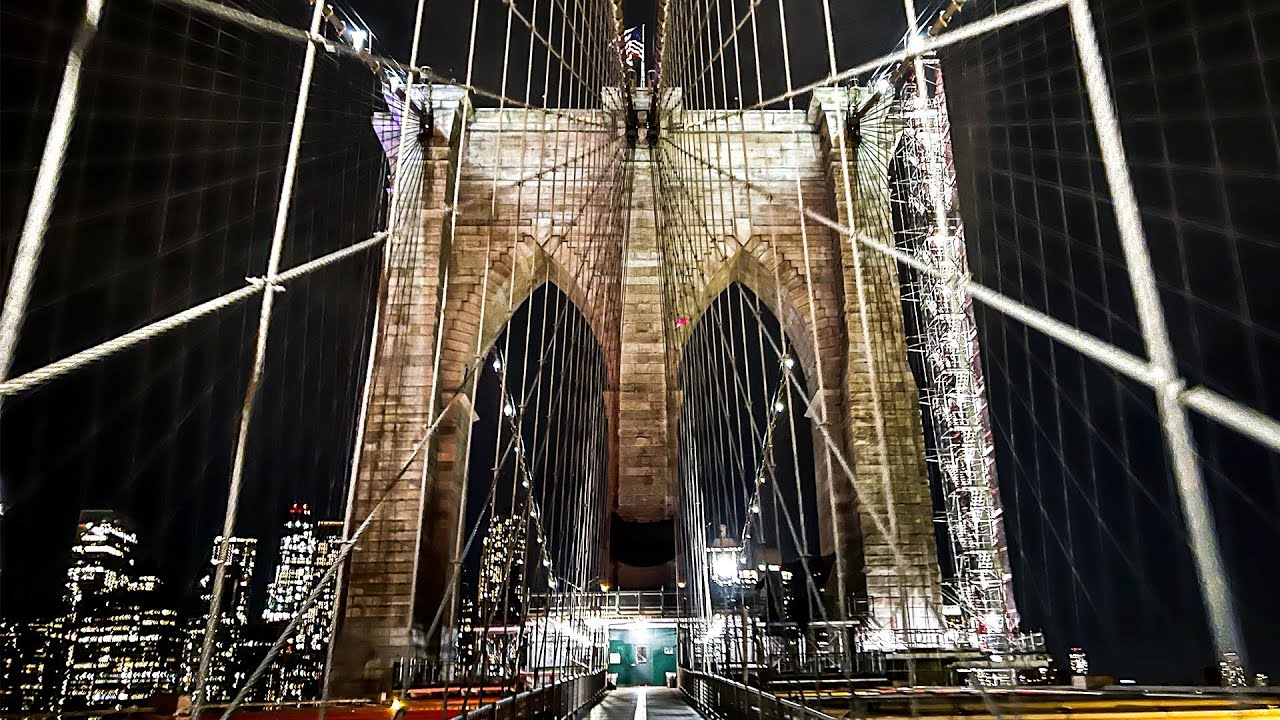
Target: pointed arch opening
[
  {"x": 749, "y": 508},
  {"x": 535, "y": 490}
]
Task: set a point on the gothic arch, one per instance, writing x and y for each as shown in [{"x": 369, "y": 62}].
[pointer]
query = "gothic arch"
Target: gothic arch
[
  {"x": 524, "y": 269},
  {"x": 784, "y": 294}
]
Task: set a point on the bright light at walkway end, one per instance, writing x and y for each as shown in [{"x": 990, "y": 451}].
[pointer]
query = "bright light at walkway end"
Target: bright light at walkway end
[
  {"x": 358, "y": 38},
  {"x": 725, "y": 566}
]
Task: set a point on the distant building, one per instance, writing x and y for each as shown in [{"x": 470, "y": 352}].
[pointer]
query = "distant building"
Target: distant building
[
  {"x": 300, "y": 666},
  {"x": 466, "y": 632},
  {"x": 228, "y": 664},
  {"x": 296, "y": 568},
  {"x": 1078, "y": 662},
  {"x": 307, "y": 550},
  {"x": 295, "y": 675},
  {"x": 102, "y": 556},
  {"x": 10, "y": 666},
  {"x": 502, "y": 572},
  {"x": 238, "y": 586},
  {"x": 121, "y": 645},
  {"x": 1233, "y": 674},
  {"x": 124, "y": 649},
  {"x": 317, "y": 628},
  {"x": 31, "y": 659},
  {"x": 772, "y": 595}
]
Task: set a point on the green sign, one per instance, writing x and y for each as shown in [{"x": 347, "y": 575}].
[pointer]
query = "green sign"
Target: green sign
[{"x": 642, "y": 656}]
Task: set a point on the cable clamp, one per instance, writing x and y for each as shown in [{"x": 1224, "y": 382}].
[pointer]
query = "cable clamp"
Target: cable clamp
[
  {"x": 322, "y": 41},
  {"x": 261, "y": 283}
]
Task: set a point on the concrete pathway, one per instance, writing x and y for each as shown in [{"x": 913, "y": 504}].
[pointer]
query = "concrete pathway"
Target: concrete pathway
[{"x": 643, "y": 703}]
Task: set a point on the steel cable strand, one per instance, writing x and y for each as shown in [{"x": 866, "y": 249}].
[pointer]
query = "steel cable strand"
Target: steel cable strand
[
  {"x": 1244, "y": 420},
  {"x": 386, "y": 494},
  {"x": 36, "y": 222}
]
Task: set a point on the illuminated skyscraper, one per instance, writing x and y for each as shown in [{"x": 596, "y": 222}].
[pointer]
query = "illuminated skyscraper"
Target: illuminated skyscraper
[
  {"x": 124, "y": 650},
  {"x": 500, "y": 595},
  {"x": 121, "y": 645},
  {"x": 307, "y": 550},
  {"x": 296, "y": 568},
  {"x": 239, "y": 583},
  {"x": 502, "y": 571},
  {"x": 1233, "y": 674},
  {"x": 228, "y": 665},
  {"x": 318, "y": 625},
  {"x": 1078, "y": 662},
  {"x": 466, "y": 632},
  {"x": 31, "y": 659},
  {"x": 102, "y": 556}
]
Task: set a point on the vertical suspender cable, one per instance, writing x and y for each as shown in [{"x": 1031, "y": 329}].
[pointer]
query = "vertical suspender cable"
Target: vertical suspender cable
[{"x": 259, "y": 359}]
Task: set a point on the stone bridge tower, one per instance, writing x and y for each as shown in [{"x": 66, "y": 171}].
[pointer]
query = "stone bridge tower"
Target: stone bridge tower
[{"x": 437, "y": 314}]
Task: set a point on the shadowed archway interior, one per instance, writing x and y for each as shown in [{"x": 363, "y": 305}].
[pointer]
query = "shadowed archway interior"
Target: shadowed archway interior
[
  {"x": 536, "y": 479},
  {"x": 746, "y": 473}
]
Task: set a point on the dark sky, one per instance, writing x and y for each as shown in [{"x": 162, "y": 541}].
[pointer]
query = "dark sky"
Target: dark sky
[
  {"x": 166, "y": 200},
  {"x": 729, "y": 346},
  {"x": 173, "y": 176},
  {"x": 1096, "y": 535}
]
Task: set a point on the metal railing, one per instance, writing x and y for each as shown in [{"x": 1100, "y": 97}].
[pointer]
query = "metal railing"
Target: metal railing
[
  {"x": 613, "y": 604},
  {"x": 562, "y": 700},
  {"x": 717, "y": 697}
]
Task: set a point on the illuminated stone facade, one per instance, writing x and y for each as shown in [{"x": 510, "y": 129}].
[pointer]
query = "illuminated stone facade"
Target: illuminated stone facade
[{"x": 452, "y": 299}]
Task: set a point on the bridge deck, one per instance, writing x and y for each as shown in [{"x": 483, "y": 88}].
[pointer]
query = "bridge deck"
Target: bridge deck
[{"x": 643, "y": 703}]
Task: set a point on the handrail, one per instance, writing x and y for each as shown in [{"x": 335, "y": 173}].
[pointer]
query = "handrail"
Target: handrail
[
  {"x": 720, "y": 697},
  {"x": 561, "y": 700}
]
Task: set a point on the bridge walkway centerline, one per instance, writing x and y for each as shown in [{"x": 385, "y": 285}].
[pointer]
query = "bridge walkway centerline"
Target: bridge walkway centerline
[{"x": 643, "y": 703}]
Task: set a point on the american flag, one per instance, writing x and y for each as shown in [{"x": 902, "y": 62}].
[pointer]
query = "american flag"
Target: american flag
[{"x": 633, "y": 44}]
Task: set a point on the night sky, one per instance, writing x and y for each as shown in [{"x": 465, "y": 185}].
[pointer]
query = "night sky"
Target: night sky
[
  {"x": 170, "y": 190},
  {"x": 167, "y": 199},
  {"x": 1095, "y": 530}
]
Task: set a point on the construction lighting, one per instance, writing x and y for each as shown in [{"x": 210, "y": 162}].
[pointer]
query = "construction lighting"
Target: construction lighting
[
  {"x": 358, "y": 38},
  {"x": 724, "y": 566}
]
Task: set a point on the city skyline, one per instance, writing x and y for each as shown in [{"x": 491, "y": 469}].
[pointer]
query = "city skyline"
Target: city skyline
[
  {"x": 182, "y": 581},
  {"x": 119, "y": 639}
]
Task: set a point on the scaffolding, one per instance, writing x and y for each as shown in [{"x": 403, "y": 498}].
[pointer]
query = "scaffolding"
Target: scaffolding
[{"x": 953, "y": 390}]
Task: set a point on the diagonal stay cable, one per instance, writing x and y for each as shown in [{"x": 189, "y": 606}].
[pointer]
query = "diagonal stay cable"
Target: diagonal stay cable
[
  {"x": 977, "y": 28},
  {"x": 1243, "y": 419}
]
